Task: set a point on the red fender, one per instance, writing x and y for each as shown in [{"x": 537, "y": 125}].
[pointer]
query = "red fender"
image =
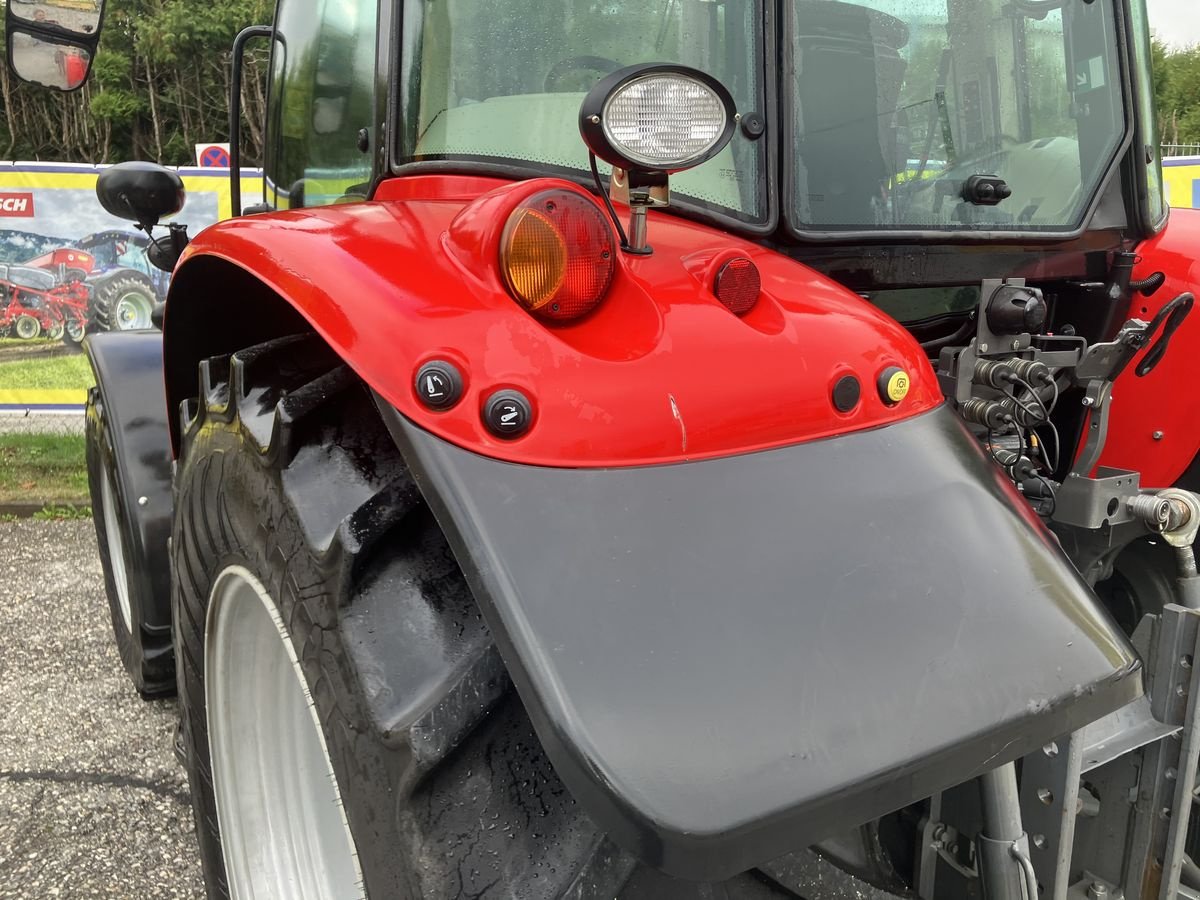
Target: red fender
[
  {"x": 1155, "y": 421},
  {"x": 660, "y": 372}
]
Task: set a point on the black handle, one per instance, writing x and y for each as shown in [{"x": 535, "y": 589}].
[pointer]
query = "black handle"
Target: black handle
[
  {"x": 235, "y": 112},
  {"x": 1173, "y": 314}
]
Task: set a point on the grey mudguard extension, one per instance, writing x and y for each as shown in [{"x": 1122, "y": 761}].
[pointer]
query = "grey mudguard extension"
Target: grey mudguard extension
[
  {"x": 129, "y": 376},
  {"x": 731, "y": 659}
]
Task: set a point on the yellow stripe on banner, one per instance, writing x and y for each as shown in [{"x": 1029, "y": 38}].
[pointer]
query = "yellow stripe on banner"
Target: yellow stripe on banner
[
  {"x": 86, "y": 181},
  {"x": 41, "y": 397},
  {"x": 1182, "y": 184}
]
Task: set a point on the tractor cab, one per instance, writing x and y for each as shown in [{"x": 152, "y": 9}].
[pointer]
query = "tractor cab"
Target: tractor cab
[{"x": 890, "y": 129}]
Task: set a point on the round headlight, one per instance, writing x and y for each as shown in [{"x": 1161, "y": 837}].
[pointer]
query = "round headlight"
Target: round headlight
[{"x": 657, "y": 118}]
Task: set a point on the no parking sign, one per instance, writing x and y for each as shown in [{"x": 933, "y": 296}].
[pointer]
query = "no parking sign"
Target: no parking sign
[{"x": 212, "y": 156}]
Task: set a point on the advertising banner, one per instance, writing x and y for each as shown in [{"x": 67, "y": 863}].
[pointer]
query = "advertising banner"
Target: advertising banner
[
  {"x": 68, "y": 268},
  {"x": 1181, "y": 175}
]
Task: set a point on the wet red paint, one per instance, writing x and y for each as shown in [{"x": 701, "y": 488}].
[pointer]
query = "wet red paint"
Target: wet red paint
[
  {"x": 1165, "y": 401},
  {"x": 659, "y": 372}
]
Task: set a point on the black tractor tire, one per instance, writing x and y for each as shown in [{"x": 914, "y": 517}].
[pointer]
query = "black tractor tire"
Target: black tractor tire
[
  {"x": 146, "y": 653},
  {"x": 109, "y": 291},
  {"x": 287, "y": 473}
]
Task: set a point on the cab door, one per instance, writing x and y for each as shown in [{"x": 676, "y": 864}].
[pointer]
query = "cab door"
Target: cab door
[{"x": 321, "y": 103}]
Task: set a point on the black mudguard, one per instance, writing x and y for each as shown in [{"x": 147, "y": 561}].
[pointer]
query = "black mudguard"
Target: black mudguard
[
  {"x": 731, "y": 659},
  {"x": 129, "y": 377}
]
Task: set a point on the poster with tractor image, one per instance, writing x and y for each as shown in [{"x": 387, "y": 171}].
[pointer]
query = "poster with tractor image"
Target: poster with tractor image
[{"x": 69, "y": 269}]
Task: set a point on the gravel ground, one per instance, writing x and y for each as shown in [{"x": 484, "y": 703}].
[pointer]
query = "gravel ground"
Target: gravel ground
[{"x": 92, "y": 800}]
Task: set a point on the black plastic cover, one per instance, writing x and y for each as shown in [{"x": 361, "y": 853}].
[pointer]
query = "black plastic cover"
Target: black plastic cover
[
  {"x": 129, "y": 376},
  {"x": 141, "y": 192},
  {"x": 731, "y": 659}
]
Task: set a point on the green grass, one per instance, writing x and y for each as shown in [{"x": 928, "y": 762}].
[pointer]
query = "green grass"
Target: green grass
[
  {"x": 36, "y": 343},
  {"x": 43, "y": 468},
  {"x": 46, "y": 373},
  {"x": 52, "y": 513}
]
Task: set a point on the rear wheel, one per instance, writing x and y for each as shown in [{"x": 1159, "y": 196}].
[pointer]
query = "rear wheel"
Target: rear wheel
[
  {"x": 269, "y": 757},
  {"x": 123, "y": 302},
  {"x": 323, "y": 625}
]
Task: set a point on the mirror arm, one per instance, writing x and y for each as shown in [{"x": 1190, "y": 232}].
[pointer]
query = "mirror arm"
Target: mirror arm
[{"x": 235, "y": 112}]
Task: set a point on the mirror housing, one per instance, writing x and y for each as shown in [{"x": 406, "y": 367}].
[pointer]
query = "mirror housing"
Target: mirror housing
[
  {"x": 141, "y": 192},
  {"x": 53, "y": 42}
]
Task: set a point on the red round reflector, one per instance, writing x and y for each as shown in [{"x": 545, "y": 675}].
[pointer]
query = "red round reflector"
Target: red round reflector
[
  {"x": 557, "y": 255},
  {"x": 737, "y": 285}
]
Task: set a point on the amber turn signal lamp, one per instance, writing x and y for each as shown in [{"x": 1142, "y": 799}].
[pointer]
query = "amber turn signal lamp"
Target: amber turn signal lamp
[
  {"x": 557, "y": 255},
  {"x": 737, "y": 285}
]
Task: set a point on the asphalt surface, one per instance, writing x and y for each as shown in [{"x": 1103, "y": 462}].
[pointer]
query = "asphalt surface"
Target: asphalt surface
[{"x": 92, "y": 800}]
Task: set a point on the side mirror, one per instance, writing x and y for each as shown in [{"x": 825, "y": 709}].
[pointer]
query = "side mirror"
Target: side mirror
[
  {"x": 48, "y": 61},
  {"x": 80, "y": 18},
  {"x": 53, "y": 42},
  {"x": 141, "y": 192}
]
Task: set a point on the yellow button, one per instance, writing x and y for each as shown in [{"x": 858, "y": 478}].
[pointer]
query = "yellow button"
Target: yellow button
[{"x": 893, "y": 385}]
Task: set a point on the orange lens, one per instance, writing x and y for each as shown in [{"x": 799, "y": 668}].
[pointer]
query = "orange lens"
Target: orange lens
[
  {"x": 536, "y": 262},
  {"x": 557, "y": 255}
]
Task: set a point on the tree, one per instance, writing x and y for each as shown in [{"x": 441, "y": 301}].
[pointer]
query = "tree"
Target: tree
[
  {"x": 159, "y": 85},
  {"x": 1177, "y": 93}
]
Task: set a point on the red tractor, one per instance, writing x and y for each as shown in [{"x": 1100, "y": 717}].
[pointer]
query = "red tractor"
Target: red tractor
[
  {"x": 677, "y": 449},
  {"x": 47, "y": 296}
]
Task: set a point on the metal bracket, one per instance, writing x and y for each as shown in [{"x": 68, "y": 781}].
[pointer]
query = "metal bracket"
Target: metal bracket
[
  {"x": 1096, "y": 397},
  {"x": 1155, "y": 829},
  {"x": 1185, "y": 767},
  {"x": 1049, "y": 805},
  {"x": 1090, "y": 503}
]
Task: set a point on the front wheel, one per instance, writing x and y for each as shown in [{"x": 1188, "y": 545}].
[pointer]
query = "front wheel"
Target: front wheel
[{"x": 350, "y": 728}]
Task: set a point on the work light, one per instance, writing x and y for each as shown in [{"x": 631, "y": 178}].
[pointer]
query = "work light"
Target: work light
[{"x": 657, "y": 118}]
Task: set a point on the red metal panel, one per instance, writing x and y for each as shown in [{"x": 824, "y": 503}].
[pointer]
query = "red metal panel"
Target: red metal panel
[
  {"x": 660, "y": 372},
  {"x": 1165, "y": 402}
]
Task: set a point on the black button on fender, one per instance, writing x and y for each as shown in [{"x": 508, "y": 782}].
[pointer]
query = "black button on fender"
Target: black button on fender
[
  {"x": 438, "y": 384},
  {"x": 507, "y": 414},
  {"x": 846, "y": 393}
]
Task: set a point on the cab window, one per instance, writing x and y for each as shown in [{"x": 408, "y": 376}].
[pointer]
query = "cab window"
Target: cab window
[{"x": 322, "y": 93}]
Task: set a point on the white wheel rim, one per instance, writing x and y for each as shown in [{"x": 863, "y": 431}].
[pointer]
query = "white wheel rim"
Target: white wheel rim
[
  {"x": 28, "y": 327},
  {"x": 75, "y": 330},
  {"x": 283, "y": 826},
  {"x": 116, "y": 549},
  {"x": 133, "y": 311}
]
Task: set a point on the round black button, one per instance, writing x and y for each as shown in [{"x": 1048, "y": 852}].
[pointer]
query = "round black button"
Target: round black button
[
  {"x": 438, "y": 384},
  {"x": 846, "y": 393},
  {"x": 753, "y": 125},
  {"x": 507, "y": 414}
]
